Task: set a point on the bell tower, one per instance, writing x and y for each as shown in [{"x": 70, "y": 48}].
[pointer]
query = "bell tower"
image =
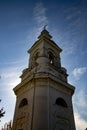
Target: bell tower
[{"x": 44, "y": 96}]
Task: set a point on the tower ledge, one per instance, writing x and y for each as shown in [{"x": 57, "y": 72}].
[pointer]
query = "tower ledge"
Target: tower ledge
[{"x": 44, "y": 75}]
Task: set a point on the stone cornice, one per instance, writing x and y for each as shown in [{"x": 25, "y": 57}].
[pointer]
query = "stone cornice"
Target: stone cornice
[
  {"x": 52, "y": 43},
  {"x": 43, "y": 75}
]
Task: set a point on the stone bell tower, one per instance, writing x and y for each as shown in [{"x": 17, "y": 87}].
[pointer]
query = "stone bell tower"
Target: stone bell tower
[{"x": 44, "y": 96}]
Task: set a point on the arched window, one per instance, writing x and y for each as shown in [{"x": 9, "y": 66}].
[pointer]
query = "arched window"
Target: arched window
[
  {"x": 33, "y": 59},
  {"x": 51, "y": 57},
  {"x": 36, "y": 56},
  {"x": 23, "y": 103},
  {"x": 61, "y": 102}
]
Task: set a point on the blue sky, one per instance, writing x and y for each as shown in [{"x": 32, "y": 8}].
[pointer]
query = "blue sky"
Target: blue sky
[{"x": 21, "y": 21}]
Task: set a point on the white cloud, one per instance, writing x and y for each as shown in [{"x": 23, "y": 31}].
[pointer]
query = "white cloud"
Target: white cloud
[
  {"x": 40, "y": 15},
  {"x": 80, "y": 107},
  {"x": 10, "y": 77},
  {"x": 78, "y": 72},
  {"x": 71, "y": 49},
  {"x": 80, "y": 123},
  {"x": 80, "y": 102},
  {"x": 76, "y": 18},
  {"x": 82, "y": 99}
]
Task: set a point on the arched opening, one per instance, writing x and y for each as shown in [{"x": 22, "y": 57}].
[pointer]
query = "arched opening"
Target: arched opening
[
  {"x": 33, "y": 59},
  {"x": 36, "y": 56},
  {"x": 23, "y": 103},
  {"x": 61, "y": 102},
  {"x": 51, "y": 58}
]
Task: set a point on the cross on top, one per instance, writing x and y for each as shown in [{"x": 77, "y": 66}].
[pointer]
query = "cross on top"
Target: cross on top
[{"x": 44, "y": 28}]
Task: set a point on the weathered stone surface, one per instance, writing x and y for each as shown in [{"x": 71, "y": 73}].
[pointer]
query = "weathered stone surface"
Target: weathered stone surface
[{"x": 45, "y": 87}]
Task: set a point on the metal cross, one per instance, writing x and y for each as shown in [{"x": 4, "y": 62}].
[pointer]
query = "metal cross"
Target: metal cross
[{"x": 44, "y": 27}]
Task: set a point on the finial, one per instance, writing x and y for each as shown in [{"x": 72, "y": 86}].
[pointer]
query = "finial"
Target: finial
[{"x": 44, "y": 28}]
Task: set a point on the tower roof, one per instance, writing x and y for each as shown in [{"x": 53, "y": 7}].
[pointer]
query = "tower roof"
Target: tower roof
[{"x": 44, "y": 34}]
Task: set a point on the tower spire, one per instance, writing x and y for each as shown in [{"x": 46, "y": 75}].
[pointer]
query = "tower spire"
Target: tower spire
[{"x": 44, "y": 33}]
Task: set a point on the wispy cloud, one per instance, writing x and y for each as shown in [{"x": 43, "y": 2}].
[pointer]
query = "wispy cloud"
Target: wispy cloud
[
  {"x": 10, "y": 77},
  {"x": 81, "y": 124},
  {"x": 80, "y": 107},
  {"x": 14, "y": 62},
  {"x": 81, "y": 99},
  {"x": 76, "y": 19},
  {"x": 9, "y": 74},
  {"x": 40, "y": 15},
  {"x": 76, "y": 16},
  {"x": 78, "y": 72},
  {"x": 70, "y": 49}
]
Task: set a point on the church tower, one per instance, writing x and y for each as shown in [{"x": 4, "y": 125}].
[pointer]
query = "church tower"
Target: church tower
[{"x": 44, "y": 96}]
